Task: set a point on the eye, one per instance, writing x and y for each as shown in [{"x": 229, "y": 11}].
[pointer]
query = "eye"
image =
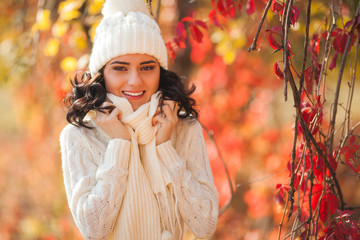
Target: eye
[
  {"x": 119, "y": 68},
  {"x": 147, "y": 68}
]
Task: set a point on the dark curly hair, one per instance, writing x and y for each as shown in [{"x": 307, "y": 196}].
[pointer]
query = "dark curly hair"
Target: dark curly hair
[{"x": 89, "y": 93}]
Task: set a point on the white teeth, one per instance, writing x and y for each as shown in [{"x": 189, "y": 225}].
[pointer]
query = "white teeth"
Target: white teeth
[{"x": 134, "y": 94}]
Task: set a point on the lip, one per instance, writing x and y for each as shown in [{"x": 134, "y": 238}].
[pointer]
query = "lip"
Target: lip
[{"x": 134, "y": 95}]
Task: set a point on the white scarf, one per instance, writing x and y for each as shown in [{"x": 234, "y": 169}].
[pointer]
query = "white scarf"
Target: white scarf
[{"x": 148, "y": 210}]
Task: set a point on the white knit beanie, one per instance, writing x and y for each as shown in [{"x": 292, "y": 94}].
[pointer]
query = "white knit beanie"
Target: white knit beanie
[{"x": 126, "y": 28}]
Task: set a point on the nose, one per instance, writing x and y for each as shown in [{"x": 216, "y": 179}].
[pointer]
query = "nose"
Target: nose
[{"x": 134, "y": 78}]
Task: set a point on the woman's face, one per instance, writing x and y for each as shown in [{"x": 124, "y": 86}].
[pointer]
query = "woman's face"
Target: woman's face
[{"x": 133, "y": 76}]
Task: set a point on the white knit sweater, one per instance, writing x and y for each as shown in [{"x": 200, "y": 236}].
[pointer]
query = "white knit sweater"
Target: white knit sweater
[{"x": 95, "y": 170}]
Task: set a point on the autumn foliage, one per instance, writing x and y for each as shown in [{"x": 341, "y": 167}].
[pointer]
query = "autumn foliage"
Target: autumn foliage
[{"x": 281, "y": 123}]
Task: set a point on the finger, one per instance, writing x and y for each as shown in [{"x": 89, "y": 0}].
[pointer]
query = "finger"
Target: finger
[
  {"x": 170, "y": 103},
  {"x": 176, "y": 108},
  {"x": 115, "y": 112},
  {"x": 106, "y": 104},
  {"x": 157, "y": 111},
  {"x": 106, "y": 107},
  {"x": 158, "y": 119},
  {"x": 167, "y": 111}
]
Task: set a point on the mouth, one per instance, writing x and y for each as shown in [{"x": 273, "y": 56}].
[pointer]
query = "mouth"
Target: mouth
[{"x": 133, "y": 94}]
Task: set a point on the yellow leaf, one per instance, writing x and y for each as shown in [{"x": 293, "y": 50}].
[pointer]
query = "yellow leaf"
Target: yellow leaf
[
  {"x": 43, "y": 19},
  {"x": 30, "y": 227},
  {"x": 81, "y": 42},
  {"x": 69, "y": 9},
  {"x": 67, "y": 16},
  {"x": 68, "y": 64},
  {"x": 78, "y": 40},
  {"x": 224, "y": 46},
  {"x": 34, "y": 29},
  {"x": 229, "y": 57},
  {"x": 59, "y": 29},
  {"x": 52, "y": 47},
  {"x": 239, "y": 42},
  {"x": 95, "y": 6}
]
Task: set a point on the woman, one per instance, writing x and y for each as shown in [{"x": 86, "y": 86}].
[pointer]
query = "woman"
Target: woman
[{"x": 134, "y": 158}]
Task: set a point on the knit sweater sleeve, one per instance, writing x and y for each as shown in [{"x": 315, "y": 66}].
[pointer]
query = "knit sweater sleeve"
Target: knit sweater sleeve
[
  {"x": 192, "y": 179},
  {"x": 94, "y": 187}
]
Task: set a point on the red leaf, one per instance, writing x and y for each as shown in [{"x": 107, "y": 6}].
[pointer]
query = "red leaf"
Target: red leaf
[
  {"x": 345, "y": 213},
  {"x": 314, "y": 47},
  {"x": 328, "y": 203},
  {"x": 280, "y": 197},
  {"x": 180, "y": 31},
  {"x": 308, "y": 78},
  {"x": 276, "y": 29},
  {"x": 352, "y": 141},
  {"x": 272, "y": 42},
  {"x": 229, "y": 3},
  {"x": 250, "y": 7},
  {"x": 348, "y": 24},
  {"x": 201, "y": 24},
  {"x": 221, "y": 8},
  {"x": 188, "y": 19},
  {"x": 349, "y": 151},
  {"x": 231, "y": 11},
  {"x": 277, "y": 7},
  {"x": 333, "y": 61},
  {"x": 332, "y": 34},
  {"x": 289, "y": 49},
  {"x": 171, "y": 50},
  {"x": 196, "y": 33},
  {"x": 333, "y": 165},
  {"x": 230, "y": 8},
  {"x": 213, "y": 18},
  {"x": 316, "y": 193},
  {"x": 180, "y": 43},
  {"x": 295, "y": 15},
  {"x": 318, "y": 168},
  {"x": 239, "y": 6},
  {"x": 278, "y": 72},
  {"x": 340, "y": 42}
]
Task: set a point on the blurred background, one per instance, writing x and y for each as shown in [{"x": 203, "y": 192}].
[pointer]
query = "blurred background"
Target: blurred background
[{"x": 44, "y": 43}]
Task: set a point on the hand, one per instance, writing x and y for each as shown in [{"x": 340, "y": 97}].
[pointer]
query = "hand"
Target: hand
[
  {"x": 110, "y": 122},
  {"x": 167, "y": 119}
]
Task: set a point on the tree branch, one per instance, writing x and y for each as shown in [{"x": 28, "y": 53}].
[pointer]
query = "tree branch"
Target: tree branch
[
  {"x": 306, "y": 43},
  {"x": 285, "y": 32},
  {"x": 338, "y": 85},
  {"x": 327, "y": 47},
  {"x": 211, "y": 135},
  {"x": 310, "y": 138},
  {"x": 253, "y": 45}
]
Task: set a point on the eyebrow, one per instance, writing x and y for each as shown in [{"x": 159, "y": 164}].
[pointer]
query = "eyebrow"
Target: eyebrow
[
  {"x": 147, "y": 62},
  {"x": 126, "y": 63},
  {"x": 118, "y": 62}
]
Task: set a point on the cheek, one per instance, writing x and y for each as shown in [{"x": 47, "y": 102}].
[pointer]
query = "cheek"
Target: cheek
[
  {"x": 112, "y": 83},
  {"x": 154, "y": 82}
]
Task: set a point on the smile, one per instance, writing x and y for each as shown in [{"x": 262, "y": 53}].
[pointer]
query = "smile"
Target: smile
[{"x": 133, "y": 94}]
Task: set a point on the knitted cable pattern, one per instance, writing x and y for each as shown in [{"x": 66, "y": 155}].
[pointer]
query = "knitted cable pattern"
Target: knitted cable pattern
[{"x": 96, "y": 173}]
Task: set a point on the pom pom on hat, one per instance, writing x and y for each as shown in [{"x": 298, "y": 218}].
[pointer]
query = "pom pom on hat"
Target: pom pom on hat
[
  {"x": 126, "y": 28},
  {"x": 125, "y": 6}
]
